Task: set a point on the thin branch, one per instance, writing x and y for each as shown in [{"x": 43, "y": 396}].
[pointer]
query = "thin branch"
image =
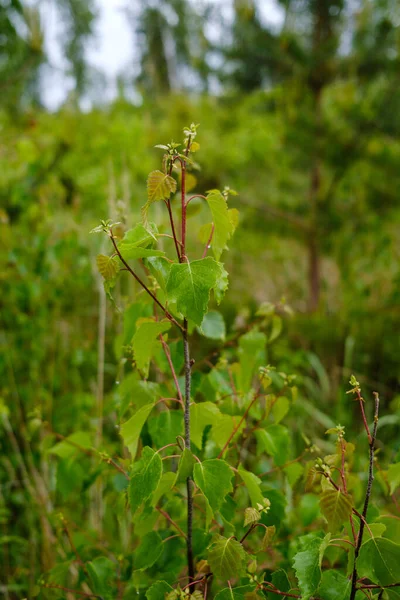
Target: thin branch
[
  {"x": 361, "y": 402},
  {"x": 93, "y": 452},
  {"x": 171, "y": 366},
  {"x": 250, "y": 529},
  {"x": 367, "y": 495},
  {"x": 246, "y": 412},
  {"x": 64, "y": 589},
  {"x": 144, "y": 286},
  {"x": 170, "y": 520},
  {"x": 196, "y": 196},
  {"x": 171, "y": 220},
  {"x": 274, "y": 590},
  {"x": 209, "y": 241}
]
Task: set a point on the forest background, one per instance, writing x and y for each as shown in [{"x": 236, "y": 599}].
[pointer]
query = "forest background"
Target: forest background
[{"x": 301, "y": 117}]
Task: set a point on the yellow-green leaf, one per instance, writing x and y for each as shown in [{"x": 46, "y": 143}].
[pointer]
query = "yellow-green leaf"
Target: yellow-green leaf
[
  {"x": 108, "y": 266},
  {"x": 336, "y": 508}
]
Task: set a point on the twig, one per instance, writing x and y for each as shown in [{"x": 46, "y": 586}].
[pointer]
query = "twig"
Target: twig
[
  {"x": 274, "y": 590},
  {"x": 64, "y": 589},
  {"x": 171, "y": 366},
  {"x": 246, "y": 412},
  {"x": 171, "y": 220},
  {"x": 166, "y": 515},
  {"x": 209, "y": 241},
  {"x": 144, "y": 286},
  {"x": 367, "y": 494}
]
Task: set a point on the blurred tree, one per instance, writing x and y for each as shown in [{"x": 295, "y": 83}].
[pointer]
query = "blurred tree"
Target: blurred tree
[
  {"x": 172, "y": 45},
  {"x": 331, "y": 107},
  {"x": 79, "y": 18},
  {"x": 21, "y": 54}
]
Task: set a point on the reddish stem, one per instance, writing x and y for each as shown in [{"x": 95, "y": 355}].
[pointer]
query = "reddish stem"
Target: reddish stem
[
  {"x": 237, "y": 426},
  {"x": 171, "y": 366},
  {"x": 171, "y": 220},
  {"x": 166, "y": 515},
  {"x": 209, "y": 241},
  {"x": 144, "y": 286}
]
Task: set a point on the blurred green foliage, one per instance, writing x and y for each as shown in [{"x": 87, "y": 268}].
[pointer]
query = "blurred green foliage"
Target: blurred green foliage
[{"x": 306, "y": 128}]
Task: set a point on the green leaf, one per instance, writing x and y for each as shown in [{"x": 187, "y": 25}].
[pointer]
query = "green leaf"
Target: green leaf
[
  {"x": 223, "y": 427},
  {"x": 213, "y": 477},
  {"x": 165, "y": 427},
  {"x": 145, "y": 478},
  {"x": 307, "y": 566},
  {"x": 374, "y": 530},
  {"x": 108, "y": 266},
  {"x": 251, "y": 356},
  {"x": 336, "y": 508},
  {"x": 239, "y": 593},
  {"x": 159, "y": 187},
  {"x": 131, "y": 253},
  {"x": 252, "y": 483},
  {"x": 309, "y": 509},
  {"x": 251, "y": 516},
  {"x": 293, "y": 473},
  {"x": 185, "y": 467},
  {"x": 223, "y": 226},
  {"x": 275, "y": 441},
  {"x": 158, "y": 590},
  {"x": 213, "y": 326},
  {"x": 393, "y": 477},
  {"x": 334, "y": 586},
  {"x": 149, "y": 550},
  {"x": 102, "y": 572},
  {"x": 268, "y": 537},
  {"x": 280, "y": 580},
  {"x": 140, "y": 236},
  {"x": 222, "y": 283},
  {"x": 201, "y": 415},
  {"x": 159, "y": 268},
  {"x": 70, "y": 446},
  {"x": 280, "y": 409},
  {"x": 136, "y": 394},
  {"x": 190, "y": 284},
  {"x": 226, "y": 558},
  {"x": 144, "y": 340},
  {"x": 167, "y": 482},
  {"x": 130, "y": 430},
  {"x": 276, "y": 328},
  {"x": 379, "y": 560}
]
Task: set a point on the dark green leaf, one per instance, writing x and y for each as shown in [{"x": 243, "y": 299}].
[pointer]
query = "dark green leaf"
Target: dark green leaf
[
  {"x": 334, "y": 586},
  {"x": 190, "y": 284},
  {"x": 149, "y": 550},
  {"x": 274, "y": 440},
  {"x": 185, "y": 468},
  {"x": 379, "y": 560},
  {"x": 102, "y": 572},
  {"x": 145, "y": 478},
  {"x": 213, "y": 477},
  {"x": 130, "y": 430},
  {"x": 144, "y": 340},
  {"x": 307, "y": 566},
  {"x": 238, "y": 593},
  {"x": 158, "y": 590}
]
